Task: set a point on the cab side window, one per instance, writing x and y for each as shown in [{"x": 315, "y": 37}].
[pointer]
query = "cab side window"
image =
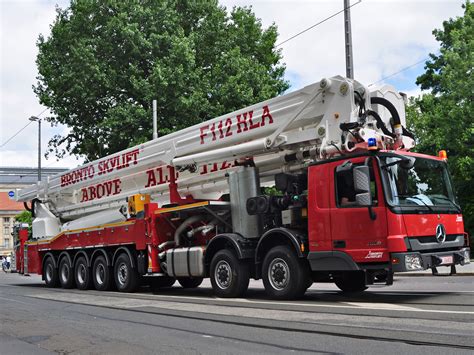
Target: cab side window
[{"x": 345, "y": 192}]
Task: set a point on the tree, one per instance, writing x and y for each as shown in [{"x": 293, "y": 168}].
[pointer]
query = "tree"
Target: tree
[
  {"x": 25, "y": 217},
  {"x": 444, "y": 118},
  {"x": 105, "y": 61}
]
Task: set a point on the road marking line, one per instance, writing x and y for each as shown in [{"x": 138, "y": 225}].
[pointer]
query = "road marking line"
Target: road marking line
[
  {"x": 348, "y": 305},
  {"x": 387, "y": 306}
]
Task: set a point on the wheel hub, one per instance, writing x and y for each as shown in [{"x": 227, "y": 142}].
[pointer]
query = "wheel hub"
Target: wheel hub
[
  {"x": 223, "y": 274},
  {"x": 279, "y": 274},
  {"x": 49, "y": 273},
  {"x": 81, "y": 274},
  {"x": 122, "y": 274},
  {"x": 100, "y": 274},
  {"x": 65, "y": 272}
]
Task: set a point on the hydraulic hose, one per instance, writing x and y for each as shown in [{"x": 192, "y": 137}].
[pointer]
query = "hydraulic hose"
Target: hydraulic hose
[
  {"x": 380, "y": 124},
  {"x": 396, "y": 117},
  {"x": 185, "y": 225},
  {"x": 397, "y": 125},
  {"x": 32, "y": 208},
  {"x": 389, "y": 106},
  {"x": 407, "y": 133}
]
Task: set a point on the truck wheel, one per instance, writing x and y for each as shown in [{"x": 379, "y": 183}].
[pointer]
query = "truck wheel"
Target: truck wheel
[
  {"x": 51, "y": 277},
  {"x": 66, "y": 274},
  {"x": 126, "y": 277},
  {"x": 229, "y": 276},
  {"x": 101, "y": 274},
  {"x": 284, "y": 275},
  {"x": 351, "y": 281},
  {"x": 82, "y": 274},
  {"x": 157, "y": 283},
  {"x": 190, "y": 282}
]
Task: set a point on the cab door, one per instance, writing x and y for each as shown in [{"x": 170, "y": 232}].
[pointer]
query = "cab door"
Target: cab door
[{"x": 354, "y": 229}]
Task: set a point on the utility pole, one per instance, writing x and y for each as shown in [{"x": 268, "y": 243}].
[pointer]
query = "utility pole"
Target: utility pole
[
  {"x": 36, "y": 119},
  {"x": 155, "y": 119},
  {"x": 348, "y": 40}
]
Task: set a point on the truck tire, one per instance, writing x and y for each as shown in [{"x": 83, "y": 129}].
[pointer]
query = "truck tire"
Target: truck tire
[
  {"x": 229, "y": 276},
  {"x": 284, "y": 275},
  {"x": 190, "y": 282},
  {"x": 51, "y": 277},
  {"x": 66, "y": 274},
  {"x": 157, "y": 283},
  {"x": 126, "y": 277},
  {"x": 82, "y": 274},
  {"x": 351, "y": 281},
  {"x": 101, "y": 274}
]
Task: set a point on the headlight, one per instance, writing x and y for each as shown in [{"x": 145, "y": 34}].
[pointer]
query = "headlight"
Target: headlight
[
  {"x": 413, "y": 262},
  {"x": 467, "y": 257}
]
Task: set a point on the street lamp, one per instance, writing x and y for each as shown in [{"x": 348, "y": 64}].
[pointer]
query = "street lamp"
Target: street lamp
[{"x": 36, "y": 119}]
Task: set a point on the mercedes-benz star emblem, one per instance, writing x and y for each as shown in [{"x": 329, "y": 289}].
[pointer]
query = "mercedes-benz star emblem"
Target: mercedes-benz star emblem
[{"x": 440, "y": 233}]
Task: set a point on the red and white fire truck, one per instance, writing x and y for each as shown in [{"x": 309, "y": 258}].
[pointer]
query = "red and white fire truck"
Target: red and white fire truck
[{"x": 350, "y": 203}]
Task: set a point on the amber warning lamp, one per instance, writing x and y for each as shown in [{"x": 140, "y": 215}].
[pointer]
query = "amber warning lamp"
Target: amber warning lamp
[{"x": 443, "y": 155}]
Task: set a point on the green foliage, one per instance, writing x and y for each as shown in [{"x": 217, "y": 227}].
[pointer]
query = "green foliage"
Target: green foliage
[
  {"x": 25, "y": 217},
  {"x": 443, "y": 118},
  {"x": 105, "y": 62}
]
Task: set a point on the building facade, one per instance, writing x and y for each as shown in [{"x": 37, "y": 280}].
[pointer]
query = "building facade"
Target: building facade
[
  {"x": 12, "y": 178},
  {"x": 8, "y": 210}
]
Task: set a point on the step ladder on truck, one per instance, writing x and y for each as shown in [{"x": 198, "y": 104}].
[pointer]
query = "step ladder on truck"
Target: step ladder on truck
[{"x": 352, "y": 204}]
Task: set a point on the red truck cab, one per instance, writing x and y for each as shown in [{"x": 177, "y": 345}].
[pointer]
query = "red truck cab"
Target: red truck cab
[{"x": 412, "y": 221}]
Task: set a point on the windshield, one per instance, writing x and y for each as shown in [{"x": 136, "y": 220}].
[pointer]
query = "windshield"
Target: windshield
[{"x": 424, "y": 186}]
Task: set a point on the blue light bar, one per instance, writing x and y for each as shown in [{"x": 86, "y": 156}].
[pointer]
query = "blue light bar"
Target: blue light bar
[{"x": 372, "y": 142}]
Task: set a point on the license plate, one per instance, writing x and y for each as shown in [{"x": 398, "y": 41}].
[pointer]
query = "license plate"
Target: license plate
[{"x": 446, "y": 259}]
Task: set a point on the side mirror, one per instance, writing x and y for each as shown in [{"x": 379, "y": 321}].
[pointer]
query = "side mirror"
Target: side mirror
[{"x": 361, "y": 176}]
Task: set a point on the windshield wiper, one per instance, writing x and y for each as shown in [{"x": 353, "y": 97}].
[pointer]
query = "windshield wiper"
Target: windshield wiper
[
  {"x": 418, "y": 199},
  {"x": 444, "y": 198}
]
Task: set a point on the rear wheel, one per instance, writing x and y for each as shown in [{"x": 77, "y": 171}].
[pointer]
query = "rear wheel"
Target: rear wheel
[
  {"x": 284, "y": 275},
  {"x": 101, "y": 274},
  {"x": 229, "y": 276},
  {"x": 82, "y": 274},
  {"x": 190, "y": 282},
  {"x": 126, "y": 277},
  {"x": 351, "y": 281},
  {"x": 50, "y": 273},
  {"x": 66, "y": 274}
]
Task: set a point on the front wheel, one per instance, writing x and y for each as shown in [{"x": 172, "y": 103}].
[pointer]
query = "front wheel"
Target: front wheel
[
  {"x": 351, "y": 281},
  {"x": 190, "y": 282},
  {"x": 126, "y": 277},
  {"x": 229, "y": 276},
  {"x": 284, "y": 275}
]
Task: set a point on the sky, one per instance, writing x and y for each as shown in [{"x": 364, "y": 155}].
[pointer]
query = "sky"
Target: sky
[{"x": 388, "y": 36}]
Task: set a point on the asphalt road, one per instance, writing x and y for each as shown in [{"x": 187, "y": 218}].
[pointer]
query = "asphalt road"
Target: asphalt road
[{"x": 418, "y": 315}]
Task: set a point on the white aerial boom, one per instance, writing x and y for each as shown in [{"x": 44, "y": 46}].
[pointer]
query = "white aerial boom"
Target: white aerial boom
[{"x": 280, "y": 134}]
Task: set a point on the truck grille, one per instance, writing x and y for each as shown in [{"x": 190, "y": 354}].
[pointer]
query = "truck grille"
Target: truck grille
[{"x": 429, "y": 243}]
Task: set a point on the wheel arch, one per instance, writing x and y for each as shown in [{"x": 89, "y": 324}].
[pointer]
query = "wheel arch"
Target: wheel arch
[
  {"x": 46, "y": 256},
  {"x": 84, "y": 254},
  {"x": 127, "y": 251},
  {"x": 100, "y": 252},
  {"x": 222, "y": 241},
  {"x": 280, "y": 236},
  {"x": 65, "y": 254}
]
